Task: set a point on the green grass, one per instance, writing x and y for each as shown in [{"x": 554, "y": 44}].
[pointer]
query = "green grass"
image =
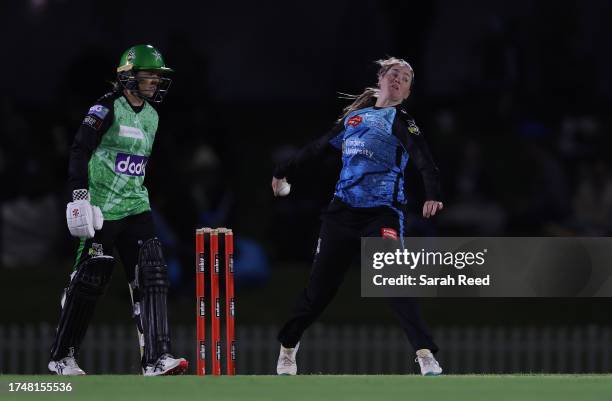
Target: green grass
[{"x": 313, "y": 387}]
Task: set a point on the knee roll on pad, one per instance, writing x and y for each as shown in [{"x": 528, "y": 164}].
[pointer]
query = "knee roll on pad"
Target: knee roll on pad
[
  {"x": 93, "y": 275},
  {"x": 152, "y": 271},
  {"x": 152, "y": 283},
  {"x": 87, "y": 285}
]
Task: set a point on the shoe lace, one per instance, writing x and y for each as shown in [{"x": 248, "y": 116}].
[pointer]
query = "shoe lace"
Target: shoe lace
[
  {"x": 428, "y": 361},
  {"x": 286, "y": 360},
  {"x": 159, "y": 365},
  {"x": 70, "y": 362}
]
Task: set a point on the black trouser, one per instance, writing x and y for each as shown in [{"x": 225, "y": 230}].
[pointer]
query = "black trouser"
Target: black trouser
[
  {"x": 339, "y": 243},
  {"x": 124, "y": 234}
]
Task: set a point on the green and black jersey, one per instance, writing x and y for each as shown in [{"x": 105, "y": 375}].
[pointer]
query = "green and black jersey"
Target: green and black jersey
[{"x": 110, "y": 153}]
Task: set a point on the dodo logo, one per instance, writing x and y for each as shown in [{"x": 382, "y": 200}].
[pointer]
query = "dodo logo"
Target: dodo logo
[{"x": 133, "y": 165}]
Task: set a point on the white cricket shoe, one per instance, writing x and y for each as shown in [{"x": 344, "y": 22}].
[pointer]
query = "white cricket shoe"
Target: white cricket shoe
[
  {"x": 167, "y": 365},
  {"x": 286, "y": 364},
  {"x": 65, "y": 367},
  {"x": 427, "y": 362}
]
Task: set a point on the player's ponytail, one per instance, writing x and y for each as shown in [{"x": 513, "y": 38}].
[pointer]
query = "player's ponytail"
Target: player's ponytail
[{"x": 368, "y": 97}]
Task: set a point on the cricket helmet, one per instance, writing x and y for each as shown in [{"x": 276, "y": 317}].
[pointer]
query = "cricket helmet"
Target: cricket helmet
[{"x": 143, "y": 58}]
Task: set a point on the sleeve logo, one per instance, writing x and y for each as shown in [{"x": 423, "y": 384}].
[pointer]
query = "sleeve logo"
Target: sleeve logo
[
  {"x": 92, "y": 122},
  {"x": 412, "y": 128},
  {"x": 99, "y": 111}
]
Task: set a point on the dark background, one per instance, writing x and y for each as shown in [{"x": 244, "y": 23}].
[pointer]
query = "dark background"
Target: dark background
[{"x": 513, "y": 98}]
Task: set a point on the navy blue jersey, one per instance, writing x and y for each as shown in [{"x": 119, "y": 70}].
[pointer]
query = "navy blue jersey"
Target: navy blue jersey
[{"x": 376, "y": 145}]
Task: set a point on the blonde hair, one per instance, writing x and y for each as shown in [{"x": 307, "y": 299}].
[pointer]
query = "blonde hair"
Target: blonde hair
[{"x": 371, "y": 93}]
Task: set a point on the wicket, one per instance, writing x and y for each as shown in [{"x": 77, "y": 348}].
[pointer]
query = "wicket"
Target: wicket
[{"x": 208, "y": 261}]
